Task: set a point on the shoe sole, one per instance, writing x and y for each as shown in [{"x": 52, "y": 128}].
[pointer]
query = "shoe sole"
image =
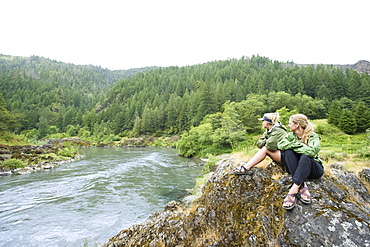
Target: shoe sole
[
  {"x": 304, "y": 201},
  {"x": 289, "y": 208}
]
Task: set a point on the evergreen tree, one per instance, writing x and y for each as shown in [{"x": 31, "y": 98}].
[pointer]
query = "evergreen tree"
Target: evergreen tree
[
  {"x": 354, "y": 85},
  {"x": 324, "y": 93},
  {"x": 148, "y": 124},
  {"x": 364, "y": 90},
  {"x": 69, "y": 118},
  {"x": 362, "y": 117},
  {"x": 347, "y": 122},
  {"x": 43, "y": 126},
  {"x": 5, "y": 116},
  {"x": 207, "y": 103},
  {"x": 89, "y": 120},
  {"x": 338, "y": 85},
  {"x": 334, "y": 113}
]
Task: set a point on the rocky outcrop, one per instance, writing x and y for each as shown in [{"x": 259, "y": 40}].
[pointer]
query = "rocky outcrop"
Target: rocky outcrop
[
  {"x": 246, "y": 211},
  {"x": 361, "y": 66}
]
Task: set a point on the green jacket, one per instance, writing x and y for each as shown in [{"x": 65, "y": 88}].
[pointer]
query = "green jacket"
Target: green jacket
[
  {"x": 271, "y": 137},
  {"x": 291, "y": 141}
]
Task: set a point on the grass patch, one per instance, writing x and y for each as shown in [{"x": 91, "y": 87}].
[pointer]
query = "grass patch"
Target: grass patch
[
  {"x": 12, "y": 164},
  {"x": 337, "y": 147}
]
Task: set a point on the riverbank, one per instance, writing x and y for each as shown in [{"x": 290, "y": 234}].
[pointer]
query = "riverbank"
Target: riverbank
[
  {"x": 36, "y": 157},
  {"x": 64, "y": 150}
]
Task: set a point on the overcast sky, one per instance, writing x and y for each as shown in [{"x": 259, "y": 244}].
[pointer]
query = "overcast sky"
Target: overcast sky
[{"x": 124, "y": 34}]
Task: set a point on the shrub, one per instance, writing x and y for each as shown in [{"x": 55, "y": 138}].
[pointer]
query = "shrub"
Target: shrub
[
  {"x": 69, "y": 150},
  {"x": 12, "y": 164}
]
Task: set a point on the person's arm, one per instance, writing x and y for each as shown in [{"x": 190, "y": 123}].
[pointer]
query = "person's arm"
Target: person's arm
[
  {"x": 290, "y": 141},
  {"x": 262, "y": 141},
  {"x": 275, "y": 137}
]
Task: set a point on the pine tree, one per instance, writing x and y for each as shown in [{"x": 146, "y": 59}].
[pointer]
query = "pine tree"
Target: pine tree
[
  {"x": 347, "y": 122},
  {"x": 334, "y": 113},
  {"x": 362, "y": 117},
  {"x": 207, "y": 102},
  {"x": 5, "y": 116},
  {"x": 43, "y": 126},
  {"x": 324, "y": 93}
]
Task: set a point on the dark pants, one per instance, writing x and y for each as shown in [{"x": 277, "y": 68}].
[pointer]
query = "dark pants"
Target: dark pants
[{"x": 301, "y": 166}]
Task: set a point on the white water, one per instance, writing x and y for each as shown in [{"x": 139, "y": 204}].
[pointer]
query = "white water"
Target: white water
[{"x": 91, "y": 200}]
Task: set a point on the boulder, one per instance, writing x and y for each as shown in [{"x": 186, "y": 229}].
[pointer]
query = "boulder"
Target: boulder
[{"x": 247, "y": 211}]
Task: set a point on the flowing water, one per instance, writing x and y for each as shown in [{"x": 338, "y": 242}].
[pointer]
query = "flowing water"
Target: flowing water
[{"x": 86, "y": 202}]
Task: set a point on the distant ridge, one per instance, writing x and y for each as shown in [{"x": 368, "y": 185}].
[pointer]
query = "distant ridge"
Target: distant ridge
[{"x": 362, "y": 66}]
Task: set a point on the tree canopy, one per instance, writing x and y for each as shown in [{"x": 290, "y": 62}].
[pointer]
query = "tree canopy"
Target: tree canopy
[{"x": 91, "y": 101}]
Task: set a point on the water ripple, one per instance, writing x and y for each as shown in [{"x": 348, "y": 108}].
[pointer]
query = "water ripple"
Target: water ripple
[{"x": 91, "y": 199}]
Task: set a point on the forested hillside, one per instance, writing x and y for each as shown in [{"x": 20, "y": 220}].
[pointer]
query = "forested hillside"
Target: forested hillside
[
  {"x": 86, "y": 101},
  {"x": 175, "y": 98},
  {"x": 50, "y": 93}
]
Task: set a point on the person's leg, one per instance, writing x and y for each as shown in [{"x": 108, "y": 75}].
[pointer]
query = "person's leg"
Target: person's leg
[
  {"x": 261, "y": 155},
  {"x": 291, "y": 197},
  {"x": 306, "y": 168},
  {"x": 290, "y": 162},
  {"x": 317, "y": 170},
  {"x": 274, "y": 155},
  {"x": 257, "y": 158}
]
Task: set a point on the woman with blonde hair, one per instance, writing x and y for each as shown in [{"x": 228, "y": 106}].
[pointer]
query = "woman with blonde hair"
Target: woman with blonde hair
[
  {"x": 299, "y": 156},
  {"x": 298, "y": 153},
  {"x": 267, "y": 144}
]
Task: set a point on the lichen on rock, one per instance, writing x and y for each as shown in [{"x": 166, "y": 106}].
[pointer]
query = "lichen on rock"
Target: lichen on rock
[{"x": 246, "y": 211}]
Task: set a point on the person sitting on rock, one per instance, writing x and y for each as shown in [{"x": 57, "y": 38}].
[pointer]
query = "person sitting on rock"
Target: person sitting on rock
[
  {"x": 267, "y": 144},
  {"x": 299, "y": 157}
]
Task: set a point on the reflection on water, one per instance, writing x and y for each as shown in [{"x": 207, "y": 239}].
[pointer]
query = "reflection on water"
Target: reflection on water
[{"x": 92, "y": 199}]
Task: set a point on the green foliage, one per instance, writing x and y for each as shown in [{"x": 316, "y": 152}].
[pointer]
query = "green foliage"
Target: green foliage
[
  {"x": 347, "y": 122},
  {"x": 69, "y": 150},
  {"x": 361, "y": 115},
  {"x": 164, "y": 142},
  {"x": 364, "y": 152},
  {"x": 9, "y": 138},
  {"x": 30, "y": 135},
  {"x": 168, "y": 101},
  {"x": 350, "y": 116},
  {"x": 197, "y": 139},
  {"x": 285, "y": 114},
  {"x": 225, "y": 131},
  {"x": 338, "y": 145},
  {"x": 7, "y": 119},
  {"x": 11, "y": 164}
]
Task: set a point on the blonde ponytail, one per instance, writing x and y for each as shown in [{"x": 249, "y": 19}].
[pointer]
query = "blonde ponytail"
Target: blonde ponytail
[{"x": 305, "y": 124}]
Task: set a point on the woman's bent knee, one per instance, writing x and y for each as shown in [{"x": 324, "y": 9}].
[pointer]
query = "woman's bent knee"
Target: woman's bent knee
[{"x": 306, "y": 159}]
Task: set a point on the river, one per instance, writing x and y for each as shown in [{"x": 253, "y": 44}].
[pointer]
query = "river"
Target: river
[{"x": 86, "y": 202}]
